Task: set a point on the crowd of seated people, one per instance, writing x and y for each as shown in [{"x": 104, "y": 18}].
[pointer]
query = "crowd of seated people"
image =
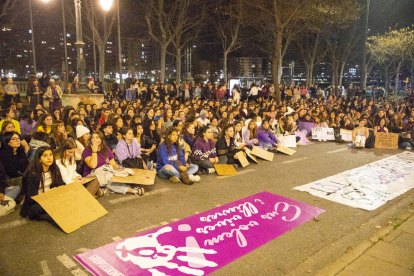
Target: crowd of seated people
[{"x": 160, "y": 128}]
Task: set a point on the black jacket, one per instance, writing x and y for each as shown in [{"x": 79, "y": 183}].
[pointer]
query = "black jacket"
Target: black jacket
[
  {"x": 16, "y": 164},
  {"x": 3, "y": 179}
]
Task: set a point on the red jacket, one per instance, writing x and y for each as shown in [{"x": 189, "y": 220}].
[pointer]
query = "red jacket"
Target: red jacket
[{"x": 102, "y": 119}]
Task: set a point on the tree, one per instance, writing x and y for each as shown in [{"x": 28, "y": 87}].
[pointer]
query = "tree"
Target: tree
[
  {"x": 391, "y": 50},
  {"x": 8, "y": 12},
  {"x": 186, "y": 27},
  {"x": 228, "y": 19},
  {"x": 101, "y": 27},
  {"x": 160, "y": 16}
]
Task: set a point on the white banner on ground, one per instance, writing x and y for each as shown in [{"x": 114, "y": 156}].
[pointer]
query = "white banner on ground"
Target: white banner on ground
[
  {"x": 323, "y": 133},
  {"x": 288, "y": 141},
  {"x": 370, "y": 186}
]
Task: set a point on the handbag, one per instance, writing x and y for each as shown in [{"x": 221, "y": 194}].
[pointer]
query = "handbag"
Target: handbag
[{"x": 132, "y": 162}]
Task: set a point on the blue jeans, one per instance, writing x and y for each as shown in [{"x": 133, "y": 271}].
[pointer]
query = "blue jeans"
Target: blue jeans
[
  {"x": 12, "y": 191},
  {"x": 165, "y": 174},
  {"x": 266, "y": 145}
]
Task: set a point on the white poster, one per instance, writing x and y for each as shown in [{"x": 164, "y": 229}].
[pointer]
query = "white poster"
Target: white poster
[
  {"x": 370, "y": 186},
  {"x": 288, "y": 141},
  {"x": 323, "y": 133}
]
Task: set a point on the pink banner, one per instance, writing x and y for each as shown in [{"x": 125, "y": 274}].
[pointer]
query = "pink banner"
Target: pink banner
[
  {"x": 303, "y": 140},
  {"x": 201, "y": 244}
]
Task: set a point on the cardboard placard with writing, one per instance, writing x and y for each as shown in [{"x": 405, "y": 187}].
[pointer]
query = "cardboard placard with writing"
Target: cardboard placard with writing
[
  {"x": 346, "y": 135},
  {"x": 228, "y": 170},
  {"x": 286, "y": 150},
  {"x": 249, "y": 154},
  {"x": 386, "y": 141},
  {"x": 71, "y": 206},
  {"x": 323, "y": 133},
  {"x": 141, "y": 177},
  {"x": 242, "y": 159},
  {"x": 288, "y": 141},
  {"x": 266, "y": 155}
]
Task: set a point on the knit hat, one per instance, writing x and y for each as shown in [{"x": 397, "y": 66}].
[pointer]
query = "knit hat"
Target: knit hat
[{"x": 81, "y": 130}]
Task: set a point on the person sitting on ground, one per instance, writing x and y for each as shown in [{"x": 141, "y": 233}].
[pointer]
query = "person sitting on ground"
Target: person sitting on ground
[
  {"x": 238, "y": 136},
  {"x": 41, "y": 175},
  {"x": 128, "y": 151},
  {"x": 58, "y": 134},
  {"x": 44, "y": 124},
  {"x": 205, "y": 151},
  {"x": 226, "y": 147},
  {"x": 380, "y": 128},
  {"x": 97, "y": 154},
  {"x": 360, "y": 134},
  {"x": 109, "y": 137},
  {"x": 65, "y": 160},
  {"x": 266, "y": 137},
  {"x": 8, "y": 126},
  {"x": 7, "y": 193},
  {"x": 8, "y": 115},
  {"x": 171, "y": 161},
  {"x": 250, "y": 135},
  {"x": 27, "y": 124},
  {"x": 12, "y": 154}
]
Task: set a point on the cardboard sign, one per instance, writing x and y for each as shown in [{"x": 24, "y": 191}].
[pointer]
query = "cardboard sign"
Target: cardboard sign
[
  {"x": 141, "y": 177},
  {"x": 71, "y": 206},
  {"x": 203, "y": 243},
  {"x": 266, "y": 155},
  {"x": 288, "y": 141},
  {"x": 323, "y": 133},
  {"x": 228, "y": 170},
  {"x": 286, "y": 150},
  {"x": 306, "y": 126},
  {"x": 346, "y": 135},
  {"x": 386, "y": 141},
  {"x": 250, "y": 155},
  {"x": 89, "y": 179},
  {"x": 303, "y": 140},
  {"x": 242, "y": 159}
]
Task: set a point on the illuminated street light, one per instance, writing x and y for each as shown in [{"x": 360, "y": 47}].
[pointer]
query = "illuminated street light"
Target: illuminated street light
[
  {"x": 106, "y": 4},
  {"x": 45, "y": 1}
]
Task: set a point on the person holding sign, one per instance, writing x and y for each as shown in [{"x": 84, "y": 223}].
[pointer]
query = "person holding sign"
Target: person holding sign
[
  {"x": 41, "y": 175},
  {"x": 360, "y": 134},
  {"x": 205, "y": 151},
  {"x": 226, "y": 147},
  {"x": 381, "y": 127},
  {"x": 171, "y": 163},
  {"x": 65, "y": 160},
  {"x": 266, "y": 137}
]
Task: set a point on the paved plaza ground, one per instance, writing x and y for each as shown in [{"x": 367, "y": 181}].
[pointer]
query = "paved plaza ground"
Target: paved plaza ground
[{"x": 39, "y": 248}]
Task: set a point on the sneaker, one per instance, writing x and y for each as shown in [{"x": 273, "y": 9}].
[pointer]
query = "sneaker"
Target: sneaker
[
  {"x": 194, "y": 178},
  {"x": 175, "y": 179},
  {"x": 408, "y": 148},
  {"x": 138, "y": 191},
  {"x": 211, "y": 170}
]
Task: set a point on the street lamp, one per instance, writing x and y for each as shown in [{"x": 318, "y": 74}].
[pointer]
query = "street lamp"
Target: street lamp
[
  {"x": 106, "y": 5},
  {"x": 81, "y": 64}
]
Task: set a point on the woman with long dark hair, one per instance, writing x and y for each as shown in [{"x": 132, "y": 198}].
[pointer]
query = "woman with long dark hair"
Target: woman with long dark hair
[
  {"x": 41, "y": 175},
  {"x": 44, "y": 124},
  {"x": 65, "y": 160},
  {"x": 58, "y": 134},
  {"x": 35, "y": 92},
  {"x": 13, "y": 156},
  {"x": 128, "y": 147},
  {"x": 27, "y": 123},
  {"x": 151, "y": 141},
  {"x": 226, "y": 147},
  {"x": 171, "y": 161},
  {"x": 96, "y": 155}
]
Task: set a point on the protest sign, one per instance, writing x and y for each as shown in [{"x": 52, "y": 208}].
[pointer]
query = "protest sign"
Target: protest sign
[
  {"x": 203, "y": 243},
  {"x": 288, "y": 141},
  {"x": 346, "y": 135},
  {"x": 141, "y": 177},
  {"x": 306, "y": 126},
  {"x": 225, "y": 170},
  {"x": 71, "y": 206},
  {"x": 242, "y": 159},
  {"x": 323, "y": 133},
  {"x": 303, "y": 140},
  {"x": 266, "y": 155},
  {"x": 249, "y": 154},
  {"x": 286, "y": 150},
  {"x": 386, "y": 141},
  {"x": 370, "y": 186}
]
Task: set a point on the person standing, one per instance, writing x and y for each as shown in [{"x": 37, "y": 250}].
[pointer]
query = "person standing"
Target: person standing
[
  {"x": 35, "y": 92},
  {"x": 10, "y": 92},
  {"x": 54, "y": 94}
]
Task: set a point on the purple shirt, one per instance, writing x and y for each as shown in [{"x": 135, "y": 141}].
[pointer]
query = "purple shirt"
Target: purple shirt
[
  {"x": 25, "y": 128},
  {"x": 122, "y": 152},
  {"x": 101, "y": 160}
]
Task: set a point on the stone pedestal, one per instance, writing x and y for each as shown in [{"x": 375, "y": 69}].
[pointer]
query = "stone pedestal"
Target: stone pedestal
[{"x": 74, "y": 99}]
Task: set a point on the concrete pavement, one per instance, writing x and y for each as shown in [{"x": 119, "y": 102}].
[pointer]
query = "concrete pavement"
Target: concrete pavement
[{"x": 39, "y": 248}]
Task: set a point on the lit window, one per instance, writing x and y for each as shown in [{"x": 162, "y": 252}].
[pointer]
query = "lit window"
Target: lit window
[
  {"x": 68, "y": 44},
  {"x": 25, "y": 51},
  {"x": 19, "y": 56},
  {"x": 109, "y": 52},
  {"x": 30, "y": 31},
  {"x": 43, "y": 42},
  {"x": 143, "y": 45},
  {"x": 68, "y": 35},
  {"x": 69, "y": 62},
  {"x": 108, "y": 42}
]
